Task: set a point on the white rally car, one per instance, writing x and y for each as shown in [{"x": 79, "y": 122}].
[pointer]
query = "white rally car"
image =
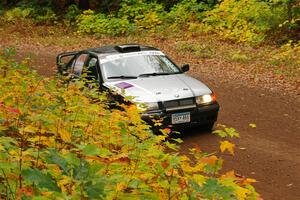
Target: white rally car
[{"x": 151, "y": 78}]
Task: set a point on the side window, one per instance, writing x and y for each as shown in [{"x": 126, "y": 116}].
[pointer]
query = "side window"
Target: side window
[
  {"x": 91, "y": 68},
  {"x": 78, "y": 65}
]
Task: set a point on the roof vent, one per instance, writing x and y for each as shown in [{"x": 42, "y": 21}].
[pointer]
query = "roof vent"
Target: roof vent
[{"x": 127, "y": 48}]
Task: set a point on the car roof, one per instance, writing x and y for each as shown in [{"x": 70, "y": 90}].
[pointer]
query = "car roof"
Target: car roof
[{"x": 124, "y": 48}]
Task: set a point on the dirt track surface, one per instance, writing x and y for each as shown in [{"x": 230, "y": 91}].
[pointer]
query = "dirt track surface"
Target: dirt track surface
[{"x": 269, "y": 153}]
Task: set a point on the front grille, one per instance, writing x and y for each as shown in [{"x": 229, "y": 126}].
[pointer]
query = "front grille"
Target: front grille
[{"x": 179, "y": 104}]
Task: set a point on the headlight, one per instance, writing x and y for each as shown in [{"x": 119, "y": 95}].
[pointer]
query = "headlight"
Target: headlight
[
  {"x": 148, "y": 106},
  {"x": 206, "y": 99}
]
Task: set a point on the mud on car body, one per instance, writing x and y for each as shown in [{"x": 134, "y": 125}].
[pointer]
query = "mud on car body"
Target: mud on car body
[{"x": 156, "y": 84}]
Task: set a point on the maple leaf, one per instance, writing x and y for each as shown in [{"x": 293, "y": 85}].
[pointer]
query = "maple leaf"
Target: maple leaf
[
  {"x": 211, "y": 160},
  {"x": 226, "y": 145}
]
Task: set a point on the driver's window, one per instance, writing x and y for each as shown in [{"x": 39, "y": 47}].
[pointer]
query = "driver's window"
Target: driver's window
[
  {"x": 91, "y": 68},
  {"x": 78, "y": 65}
]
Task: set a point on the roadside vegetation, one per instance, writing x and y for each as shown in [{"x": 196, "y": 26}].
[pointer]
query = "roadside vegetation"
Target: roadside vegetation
[
  {"x": 61, "y": 141},
  {"x": 262, "y": 33}
]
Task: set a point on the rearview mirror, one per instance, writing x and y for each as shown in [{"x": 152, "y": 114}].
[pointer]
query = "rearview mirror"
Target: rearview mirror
[{"x": 185, "y": 67}]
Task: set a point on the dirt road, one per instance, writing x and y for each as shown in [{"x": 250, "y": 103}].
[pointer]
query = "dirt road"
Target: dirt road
[{"x": 269, "y": 153}]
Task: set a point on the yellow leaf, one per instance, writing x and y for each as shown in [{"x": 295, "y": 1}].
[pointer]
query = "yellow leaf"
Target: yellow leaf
[
  {"x": 187, "y": 168},
  {"x": 200, "y": 179},
  {"x": 199, "y": 167},
  {"x": 30, "y": 129},
  {"x": 121, "y": 186},
  {"x": 46, "y": 193},
  {"x": 241, "y": 193},
  {"x": 252, "y": 125},
  {"x": 161, "y": 138},
  {"x": 226, "y": 145},
  {"x": 65, "y": 135},
  {"x": 3, "y": 128},
  {"x": 63, "y": 182}
]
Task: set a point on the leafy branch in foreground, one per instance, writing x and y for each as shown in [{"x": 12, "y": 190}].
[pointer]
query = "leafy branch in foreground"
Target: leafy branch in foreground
[{"x": 61, "y": 141}]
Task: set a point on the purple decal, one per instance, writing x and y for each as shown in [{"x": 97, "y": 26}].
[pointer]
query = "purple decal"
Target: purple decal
[{"x": 124, "y": 85}]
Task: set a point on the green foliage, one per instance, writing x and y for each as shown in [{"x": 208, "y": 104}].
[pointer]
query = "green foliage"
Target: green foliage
[
  {"x": 244, "y": 20},
  {"x": 61, "y": 141},
  {"x": 18, "y": 13},
  {"x": 188, "y": 11},
  {"x": 288, "y": 58},
  {"x": 38, "y": 15},
  {"x": 249, "y": 21},
  {"x": 72, "y": 13},
  {"x": 145, "y": 15},
  {"x": 100, "y": 24},
  {"x": 132, "y": 16}
]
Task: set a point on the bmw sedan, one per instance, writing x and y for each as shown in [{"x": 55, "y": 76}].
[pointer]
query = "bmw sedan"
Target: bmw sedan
[{"x": 161, "y": 89}]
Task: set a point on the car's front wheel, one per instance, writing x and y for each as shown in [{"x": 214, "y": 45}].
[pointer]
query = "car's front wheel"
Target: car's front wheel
[{"x": 208, "y": 126}]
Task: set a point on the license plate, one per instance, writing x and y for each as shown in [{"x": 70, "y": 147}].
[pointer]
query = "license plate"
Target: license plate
[{"x": 179, "y": 118}]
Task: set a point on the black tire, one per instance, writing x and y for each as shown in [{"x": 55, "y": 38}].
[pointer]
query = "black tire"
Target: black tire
[{"x": 209, "y": 126}]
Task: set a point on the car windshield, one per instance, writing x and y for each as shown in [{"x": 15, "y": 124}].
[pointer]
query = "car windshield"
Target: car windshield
[{"x": 138, "y": 64}]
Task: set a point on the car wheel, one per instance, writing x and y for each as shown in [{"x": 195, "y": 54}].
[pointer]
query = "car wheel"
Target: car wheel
[{"x": 209, "y": 126}]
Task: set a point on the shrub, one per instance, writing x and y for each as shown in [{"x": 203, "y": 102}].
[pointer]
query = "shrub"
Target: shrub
[
  {"x": 244, "y": 20},
  {"x": 288, "y": 58},
  {"x": 145, "y": 15},
  {"x": 132, "y": 16},
  {"x": 72, "y": 13},
  {"x": 100, "y": 24},
  {"x": 60, "y": 141},
  {"x": 38, "y": 15},
  {"x": 188, "y": 11},
  {"x": 18, "y": 13}
]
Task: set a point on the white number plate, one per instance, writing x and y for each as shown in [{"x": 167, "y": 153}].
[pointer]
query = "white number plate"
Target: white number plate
[{"x": 179, "y": 118}]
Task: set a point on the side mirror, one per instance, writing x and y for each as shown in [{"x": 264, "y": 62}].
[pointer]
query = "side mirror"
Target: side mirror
[{"x": 185, "y": 67}]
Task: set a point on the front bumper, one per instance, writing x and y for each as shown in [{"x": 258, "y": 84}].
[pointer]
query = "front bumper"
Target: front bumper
[{"x": 200, "y": 115}]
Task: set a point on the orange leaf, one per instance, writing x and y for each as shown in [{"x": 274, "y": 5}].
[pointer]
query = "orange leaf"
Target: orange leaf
[
  {"x": 248, "y": 181},
  {"x": 229, "y": 174},
  {"x": 27, "y": 191},
  {"x": 209, "y": 160}
]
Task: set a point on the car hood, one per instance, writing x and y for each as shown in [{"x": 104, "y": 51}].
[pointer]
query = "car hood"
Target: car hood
[{"x": 159, "y": 88}]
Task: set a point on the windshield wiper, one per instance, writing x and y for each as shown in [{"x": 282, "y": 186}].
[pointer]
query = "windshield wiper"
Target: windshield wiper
[
  {"x": 122, "y": 77},
  {"x": 155, "y": 74}
]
